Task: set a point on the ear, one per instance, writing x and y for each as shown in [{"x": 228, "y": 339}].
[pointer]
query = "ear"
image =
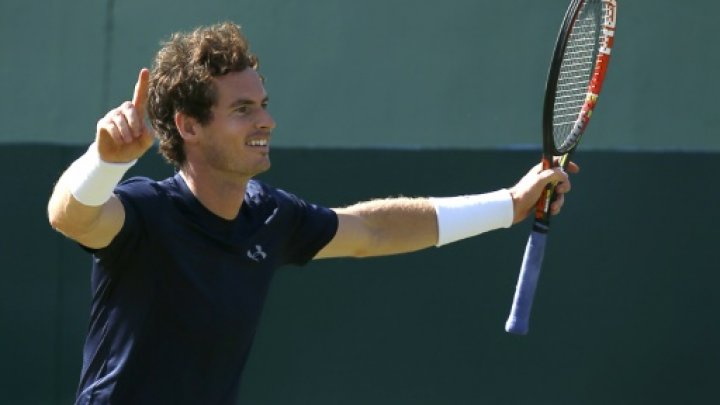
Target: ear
[{"x": 187, "y": 126}]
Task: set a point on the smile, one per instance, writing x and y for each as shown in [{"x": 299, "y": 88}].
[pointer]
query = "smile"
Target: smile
[{"x": 258, "y": 142}]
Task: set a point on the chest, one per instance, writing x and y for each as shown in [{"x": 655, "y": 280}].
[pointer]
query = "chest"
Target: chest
[{"x": 209, "y": 281}]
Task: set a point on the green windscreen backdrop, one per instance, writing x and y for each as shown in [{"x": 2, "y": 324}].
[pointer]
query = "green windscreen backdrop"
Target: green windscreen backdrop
[
  {"x": 376, "y": 73},
  {"x": 398, "y": 97}
]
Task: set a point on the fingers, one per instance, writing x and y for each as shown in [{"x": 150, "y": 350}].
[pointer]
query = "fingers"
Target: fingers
[
  {"x": 134, "y": 118},
  {"x": 556, "y": 206},
  {"x": 572, "y": 168},
  {"x": 528, "y": 190},
  {"x": 123, "y": 128},
  {"x": 555, "y": 175},
  {"x": 562, "y": 186},
  {"x": 122, "y": 124},
  {"x": 125, "y": 123},
  {"x": 122, "y": 135}
]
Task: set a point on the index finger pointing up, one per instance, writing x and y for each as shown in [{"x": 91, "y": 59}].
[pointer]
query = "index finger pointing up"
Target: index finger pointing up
[{"x": 141, "y": 90}]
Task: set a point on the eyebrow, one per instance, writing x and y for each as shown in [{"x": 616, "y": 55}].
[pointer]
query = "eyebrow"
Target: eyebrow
[{"x": 244, "y": 101}]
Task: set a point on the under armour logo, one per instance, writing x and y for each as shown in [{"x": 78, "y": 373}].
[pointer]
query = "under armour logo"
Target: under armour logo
[{"x": 257, "y": 255}]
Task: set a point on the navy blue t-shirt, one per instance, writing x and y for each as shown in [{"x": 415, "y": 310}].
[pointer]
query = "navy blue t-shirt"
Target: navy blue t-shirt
[{"x": 177, "y": 295}]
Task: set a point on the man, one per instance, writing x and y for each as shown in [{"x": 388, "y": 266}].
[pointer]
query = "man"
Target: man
[{"x": 182, "y": 266}]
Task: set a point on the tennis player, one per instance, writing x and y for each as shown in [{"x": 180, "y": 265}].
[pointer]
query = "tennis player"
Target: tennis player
[{"x": 182, "y": 266}]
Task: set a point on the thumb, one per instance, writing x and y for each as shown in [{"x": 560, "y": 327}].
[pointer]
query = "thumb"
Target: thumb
[
  {"x": 140, "y": 94},
  {"x": 139, "y": 100}
]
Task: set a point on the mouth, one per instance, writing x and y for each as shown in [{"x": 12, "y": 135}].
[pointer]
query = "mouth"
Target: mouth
[{"x": 257, "y": 143}]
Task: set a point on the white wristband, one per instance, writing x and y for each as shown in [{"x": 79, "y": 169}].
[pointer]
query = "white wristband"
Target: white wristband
[
  {"x": 465, "y": 216},
  {"x": 91, "y": 180}
]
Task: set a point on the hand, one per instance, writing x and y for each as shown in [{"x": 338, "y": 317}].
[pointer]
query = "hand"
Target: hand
[
  {"x": 527, "y": 191},
  {"x": 122, "y": 135}
]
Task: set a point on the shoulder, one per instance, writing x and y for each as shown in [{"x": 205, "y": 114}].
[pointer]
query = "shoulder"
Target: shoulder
[
  {"x": 137, "y": 186},
  {"x": 141, "y": 197},
  {"x": 288, "y": 205},
  {"x": 142, "y": 189},
  {"x": 261, "y": 193},
  {"x": 260, "y": 190}
]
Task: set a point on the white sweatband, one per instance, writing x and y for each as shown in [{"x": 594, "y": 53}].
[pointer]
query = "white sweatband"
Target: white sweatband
[
  {"x": 465, "y": 216},
  {"x": 91, "y": 180}
]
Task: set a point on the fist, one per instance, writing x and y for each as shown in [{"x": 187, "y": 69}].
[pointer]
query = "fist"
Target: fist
[
  {"x": 122, "y": 135},
  {"x": 528, "y": 190}
]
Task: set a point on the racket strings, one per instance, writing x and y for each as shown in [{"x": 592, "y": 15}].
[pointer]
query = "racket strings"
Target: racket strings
[{"x": 575, "y": 72}]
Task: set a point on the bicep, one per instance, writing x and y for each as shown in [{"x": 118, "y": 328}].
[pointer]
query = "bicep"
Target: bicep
[
  {"x": 352, "y": 238},
  {"x": 108, "y": 225},
  {"x": 383, "y": 227}
]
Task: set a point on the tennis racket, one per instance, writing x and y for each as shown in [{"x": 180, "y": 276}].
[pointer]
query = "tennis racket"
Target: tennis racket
[{"x": 575, "y": 78}]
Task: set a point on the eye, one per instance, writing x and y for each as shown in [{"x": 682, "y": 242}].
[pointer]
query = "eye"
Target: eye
[
  {"x": 264, "y": 105},
  {"x": 243, "y": 109}
]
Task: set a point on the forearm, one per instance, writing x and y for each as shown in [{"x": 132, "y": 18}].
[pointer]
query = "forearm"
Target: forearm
[
  {"x": 67, "y": 215},
  {"x": 82, "y": 206},
  {"x": 400, "y": 225},
  {"x": 469, "y": 215}
]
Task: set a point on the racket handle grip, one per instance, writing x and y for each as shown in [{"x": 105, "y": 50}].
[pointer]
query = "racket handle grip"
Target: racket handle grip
[{"x": 519, "y": 319}]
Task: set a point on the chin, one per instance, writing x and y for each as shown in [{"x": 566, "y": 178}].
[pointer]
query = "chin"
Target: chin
[{"x": 263, "y": 167}]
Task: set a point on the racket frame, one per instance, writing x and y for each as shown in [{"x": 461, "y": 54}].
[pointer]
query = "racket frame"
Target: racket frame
[{"x": 550, "y": 150}]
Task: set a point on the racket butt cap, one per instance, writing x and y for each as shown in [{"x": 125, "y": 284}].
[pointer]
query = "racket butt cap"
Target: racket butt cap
[{"x": 516, "y": 328}]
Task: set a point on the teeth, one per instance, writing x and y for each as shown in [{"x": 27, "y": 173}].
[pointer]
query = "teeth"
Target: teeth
[{"x": 258, "y": 143}]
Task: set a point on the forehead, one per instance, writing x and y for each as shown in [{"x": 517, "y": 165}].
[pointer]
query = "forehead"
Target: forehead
[{"x": 245, "y": 85}]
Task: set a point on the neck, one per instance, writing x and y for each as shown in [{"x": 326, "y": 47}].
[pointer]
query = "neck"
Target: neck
[{"x": 221, "y": 195}]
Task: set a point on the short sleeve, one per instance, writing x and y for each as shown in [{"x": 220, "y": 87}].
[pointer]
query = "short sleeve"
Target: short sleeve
[
  {"x": 313, "y": 227},
  {"x": 131, "y": 193}
]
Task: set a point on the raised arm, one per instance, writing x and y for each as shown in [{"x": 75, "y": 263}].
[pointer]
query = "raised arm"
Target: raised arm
[
  {"x": 399, "y": 225},
  {"x": 82, "y": 206}
]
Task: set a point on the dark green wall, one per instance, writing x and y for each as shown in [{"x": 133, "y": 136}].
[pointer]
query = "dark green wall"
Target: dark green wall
[{"x": 625, "y": 312}]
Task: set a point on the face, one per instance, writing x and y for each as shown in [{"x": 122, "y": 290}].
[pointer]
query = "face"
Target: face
[{"x": 236, "y": 142}]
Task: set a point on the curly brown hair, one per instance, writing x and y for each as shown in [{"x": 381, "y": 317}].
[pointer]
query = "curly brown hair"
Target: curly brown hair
[{"x": 181, "y": 79}]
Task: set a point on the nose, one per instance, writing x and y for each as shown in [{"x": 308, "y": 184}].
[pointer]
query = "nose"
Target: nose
[{"x": 265, "y": 120}]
